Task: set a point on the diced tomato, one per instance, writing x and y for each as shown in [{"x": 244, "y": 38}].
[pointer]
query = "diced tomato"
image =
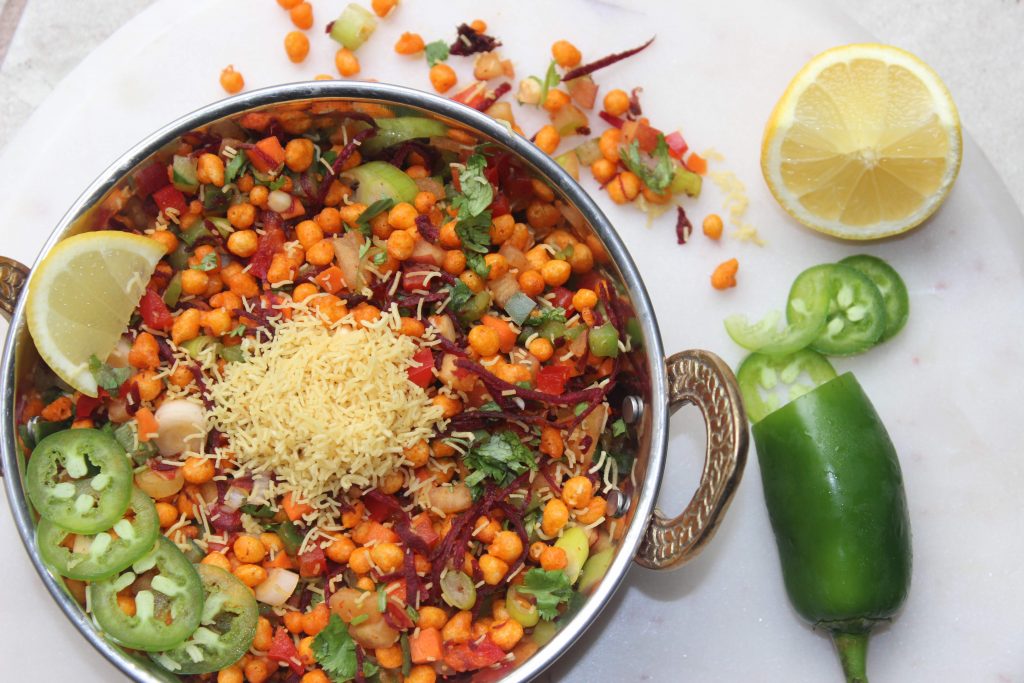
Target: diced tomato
[
  {"x": 154, "y": 311},
  {"x": 397, "y": 617},
  {"x": 645, "y": 135},
  {"x": 413, "y": 281},
  {"x": 266, "y": 155},
  {"x": 562, "y": 298},
  {"x": 472, "y": 655},
  {"x": 551, "y": 379},
  {"x": 150, "y": 179},
  {"x": 270, "y": 243},
  {"x": 676, "y": 144},
  {"x": 282, "y": 649},
  {"x": 312, "y": 563},
  {"x": 170, "y": 197},
  {"x": 474, "y": 95},
  {"x": 500, "y": 206},
  {"x": 422, "y": 375},
  {"x": 422, "y": 527},
  {"x": 331, "y": 280},
  {"x": 85, "y": 405}
]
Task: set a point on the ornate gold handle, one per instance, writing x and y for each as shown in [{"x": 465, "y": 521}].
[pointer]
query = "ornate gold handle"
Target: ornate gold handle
[
  {"x": 12, "y": 278},
  {"x": 704, "y": 380}
]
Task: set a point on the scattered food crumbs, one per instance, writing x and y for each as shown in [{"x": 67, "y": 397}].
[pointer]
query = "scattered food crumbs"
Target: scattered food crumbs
[{"x": 735, "y": 204}]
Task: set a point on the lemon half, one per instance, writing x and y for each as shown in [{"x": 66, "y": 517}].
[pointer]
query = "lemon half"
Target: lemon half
[
  {"x": 864, "y": 143},
  {"x": 82, "y": 295}
]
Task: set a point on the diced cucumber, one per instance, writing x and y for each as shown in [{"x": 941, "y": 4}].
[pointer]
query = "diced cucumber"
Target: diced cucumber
[
  {"x": 380, "y": 180},
  {"x": 183, "y": 170},
  {"x": 595, "y": 569},
  {"x": 353, "y": 26},
  {"x": 570, "y": 162},
  {"x": 685, "y": 181},
  {"x": 173, "y": 291},
  {"x": 576, "y": 544},
  {"x": 193, "y": 347},
  {"x": 399, "y": 129}
]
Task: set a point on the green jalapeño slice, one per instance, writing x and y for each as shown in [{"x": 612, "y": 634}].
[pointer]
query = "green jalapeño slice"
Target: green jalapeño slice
[
  {"x": 168, "y": 598},
  {"x": 890, "y": 286},
  {"x": 769, "y": 382},
  {"x": 856, "y": 313},
  {"x": 225, "y": 632},
  {"x": 79, "y": 479},
  {"x": 93, "y": 557}
]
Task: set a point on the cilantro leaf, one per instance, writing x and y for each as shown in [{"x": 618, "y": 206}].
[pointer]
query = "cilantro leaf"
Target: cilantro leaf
[
  {"x": 550, "y": 588},
  {"x": 380, "y": 258},
  {"x": 460, "y": 294},
  {"x": 551, "y": 80},
  {"x": 107, "y": 377},
  {"x": 208, "y": 263},
  {"x": 475, "y": 233},
  {"x": 545, "y": 314},
  {"x": 436, "y": 52},
  {"x": 660, "y": 176},
  {"x": 476, "y": 263},
  {"x": 476, "y": 190},
  {"x": 502, "y": 457},
  {"x": 335, "y": 652},
  {"x": 277, "y": 183},
  {"x": 238, "y": 331},
  {"x": 234, "y": 168}
]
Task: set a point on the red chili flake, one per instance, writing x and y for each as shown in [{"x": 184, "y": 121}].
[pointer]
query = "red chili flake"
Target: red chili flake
[
  {"x": 684, "y": 228},
  {"x": 603, "y": 62}
]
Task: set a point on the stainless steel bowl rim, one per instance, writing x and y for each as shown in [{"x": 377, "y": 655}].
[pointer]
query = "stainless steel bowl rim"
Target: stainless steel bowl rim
[{"x": 392, "y": 94}]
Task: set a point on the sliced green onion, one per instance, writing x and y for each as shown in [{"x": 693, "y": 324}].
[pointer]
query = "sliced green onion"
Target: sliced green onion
[{"x": 353, "y": 26}]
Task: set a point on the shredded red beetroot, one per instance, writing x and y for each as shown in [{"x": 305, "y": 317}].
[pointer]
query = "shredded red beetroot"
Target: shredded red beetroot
[
  {"x": 611, "y": 119},
  {"x": 426, "y": 229},
  {"x": 603, "y": 62},
  {"x": 360, "y": 658},
  {"x": 134, "y": 402},
  {"x": 469, "y": 42},
  {"x": 404, "y": 149},
  {"x": 498, "y": 93},
  {"x": 634, "y": 103},
  {"x": 343, "y": 156},
  {"x": 477, "y": 419},
  {"x": 364, "y": 117},
  {"x": 684, "y": 228},
  {"x": 197, "y": 375},
  {"x": 451, "y": 347},
  {"x": 499, "y": 386}
]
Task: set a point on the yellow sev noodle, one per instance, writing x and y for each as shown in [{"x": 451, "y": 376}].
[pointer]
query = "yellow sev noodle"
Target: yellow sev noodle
[{"x": 324, "y": 407}]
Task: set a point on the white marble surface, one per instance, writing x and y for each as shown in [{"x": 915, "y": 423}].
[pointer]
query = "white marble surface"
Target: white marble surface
[{"x": 947, "y": 386}]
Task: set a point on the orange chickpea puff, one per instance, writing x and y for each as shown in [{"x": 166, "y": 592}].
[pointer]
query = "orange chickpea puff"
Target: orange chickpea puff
[
  {"x": 231, "y": 80},
  {"x": 409, "y": 44},
  {"x": 296, "y": 46},
  {"x": 346, "y": 62},
  {"x": 724, "y": 276},
  {"x": 442, "y": 77}
]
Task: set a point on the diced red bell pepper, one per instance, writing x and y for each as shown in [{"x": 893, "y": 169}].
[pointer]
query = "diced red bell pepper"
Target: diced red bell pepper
[
  {"x": 676, "y": 144},
  {"x": 170, "y": 197},
  {"x": 154, "y": 311},
  {"x": 473, "y": 655},
  {"x": 312, "y": 563},
  {"x": 282, "y": 649},
  {"x": 270, "y": 243},
  {"x": 85, "y": 405},
  {"x": 551, "y": 379},
  {"x": 151, "y": 178},
  {"x": 422, "y": 375}
]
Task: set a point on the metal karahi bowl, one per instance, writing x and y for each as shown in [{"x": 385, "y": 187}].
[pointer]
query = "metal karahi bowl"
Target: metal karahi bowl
[{"x": 662, "y": 383}]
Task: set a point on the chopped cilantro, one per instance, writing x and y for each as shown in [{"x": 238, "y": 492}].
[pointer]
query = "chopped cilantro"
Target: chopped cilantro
[
  {"x": 364, "y": 248},
  {"x": 460, "y": 294},
  {"x": 657, "y": 178},
  {"x": 107, "y": 377},
  {"x": 380, "y": 258},
  {"x": 258, "y": 511},
  {"x": 238, "y": 331},
  {"x": 436, "y": 52},
  {"x": 545, "y": 314},
  {"x": 360, "y": 618},
  {"x": 234, "y": 168},
  {"x": 564, "y": 254},
  {"x": 371, "y": 212},
  {"x": 551, "y": 80},
  {"x": 208, "y": 263},
  {"x": 490, "y": 407},
  {"x": 277, "y": 183},
  {"x": 618, "y": 427},
  {"x": 476, "y": 263},
  {"x": 477, "y": 192},
  {"x": 550, "y": 588},
  {"x": 335, "y": 652},
  {"x": 501, "y": 457}
]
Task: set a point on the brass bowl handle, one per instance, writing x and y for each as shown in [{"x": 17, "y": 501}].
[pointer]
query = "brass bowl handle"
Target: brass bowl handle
[
  {"x": 703, "y": 379},
  {"x": 12, "y": 279}
]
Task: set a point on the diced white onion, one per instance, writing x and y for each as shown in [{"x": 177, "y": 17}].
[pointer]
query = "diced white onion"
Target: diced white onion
[
  {"x": 279, "y": 201},
  {"x": 278, "y": 587},
  {"x": 235, "y": 498}
]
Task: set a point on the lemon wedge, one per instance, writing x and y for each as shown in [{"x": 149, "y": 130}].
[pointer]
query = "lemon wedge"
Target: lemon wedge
[
  {"x": 865, "y": 143},
  {"x": 81, "y": 297}
]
